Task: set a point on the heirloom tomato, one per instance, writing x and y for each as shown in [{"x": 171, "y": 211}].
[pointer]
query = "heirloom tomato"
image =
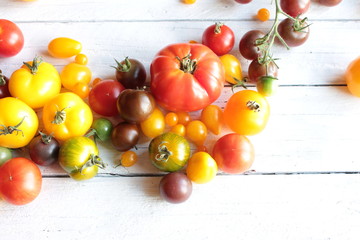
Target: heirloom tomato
[
  {"x": 76, "y": 78},
  {"x": 101, "y": 128},
  {"x": 234, "y": 153},
  {"x": 18, "y": 123},
  {"x": 20, "y": 181},
  {"x": 219, "y": 38},
  {"x": 11, "y": 39},
  {"x": 44, "y": 149},
  {"x": 35, "y": 83},
  {"x": 247, "y": 112},
  {"x": 125, "y": 136},
  {"x": 154, "y": 125},
  {"x": 295, "y": 7},
  {"x": 352, "y": 77},
  {"x": 186, "y": 77},
  {"x": 175, "y": 187},
  {"x": 232, "y": 66},
  {"x": 196, "y": 131},
  {"x": 78, "y": 156},
  {"x": 63, "y": 47},
  {"x": 66, "y": 116},
  {"x": 169, "y": 152},
  {"x": 201, "y": 168},
  {"x": 130, "y": 73}
]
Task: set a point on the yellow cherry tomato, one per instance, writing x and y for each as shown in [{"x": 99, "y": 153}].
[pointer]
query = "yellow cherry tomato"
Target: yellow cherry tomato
[
  {"x": 81, "y": 59},
  {"x": 232, "y": 67},
  {"x": 263, "y": 14},
  {"x": 154, "y": 125},
  {"x": 171, "y": 119},
  {"x": 128, "y": 159},
  {"x": 183, "y": 118},
  {"x": 196, "y": 131},
  {"x": 179, "y": 129},
  {"x": 66, "y": 116},
  {"x": 35, "y": 83},
  {"x": 64, "y": 47},
  {"x": 352, "y": 77},
  {"x": 189, "y": 1},
  {"x": 201, "y": 168},
  {"x": 247, "y": 112},
  {"x": 75, "y": 76},
  {"x": 18, "y": 123},
  {"x": 212, "y": 117}
]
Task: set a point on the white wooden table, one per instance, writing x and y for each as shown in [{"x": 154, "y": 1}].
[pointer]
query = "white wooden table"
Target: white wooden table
[{"x": 305, "y": 183}]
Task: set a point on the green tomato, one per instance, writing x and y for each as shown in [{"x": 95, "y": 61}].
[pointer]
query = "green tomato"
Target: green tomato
[
  {"x": 5, "y": 154},
  {"x": 169, "y": 152},
  {"x": 78, "y": 156},
  {"x": 102, "y": 128},
  {"x": 267, "y": 86}
]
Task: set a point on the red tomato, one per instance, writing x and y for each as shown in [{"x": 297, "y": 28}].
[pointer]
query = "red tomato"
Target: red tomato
[
  {"x": 233, "y": 153},
  {"x": 186, "y": 77},
  {"x": 103, "y": 97},
  {"x": 219, "y": 38},
  {"x": 11, "y": 38},
  {"x": 20, "y": 181}
]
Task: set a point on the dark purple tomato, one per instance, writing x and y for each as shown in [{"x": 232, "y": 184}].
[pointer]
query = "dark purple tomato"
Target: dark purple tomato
[
  {"x": 135, "y": 106},
  {"x": 4, "y": 86},
  {"x": 243, "y": 1},
  {"x": 131, "y": 73},
  {"x": 295, "y": 7},
  {"x": 44, "y": 150},
  {"x": 247, "y": 46},
  {"x": 257, "y": 70},
  {"x": 125, "y": 136},
  {"x": 329, "y": 3},
  {"x": 291, "y": 35},
  {"x": 175, "y": 187}
]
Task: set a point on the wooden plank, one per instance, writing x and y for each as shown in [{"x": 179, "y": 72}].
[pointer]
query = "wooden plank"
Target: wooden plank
[
  {"x": 114, "y": 10},
  {"x": 238, "y": 207}
]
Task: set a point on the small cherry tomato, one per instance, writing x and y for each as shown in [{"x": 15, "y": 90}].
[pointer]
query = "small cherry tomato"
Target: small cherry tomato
[
  {"x": 201, "y": 168},
  {"x": 175, "y": 187},
  {"x": 263, "y": 14},
  {"x": 196, "y": 131},
  {"x": 128, "y": 159},
  {"x": 81, "y": 59},
  {"x": 5, "y": 154},
  {"x": 212, "y": 117},
  {"x": 64, "y": 47},
  {"x": 76, "y": 77},
  {"x": 352, "y": 77},
  {"x": 267, "y": 86},
  {"x": 189, "y": 1},
  {"x": 171, "y": 119},
  {"x": 183, "y": 118},
  {"x": 232, "y": 65},
  {"x": 101, "y": 128},
  {"x": 44, "y": 149},
  {"x": 219, "y": 38},
  {"x": 154, "y": 125},
  {"x": 179, "y": 129}
]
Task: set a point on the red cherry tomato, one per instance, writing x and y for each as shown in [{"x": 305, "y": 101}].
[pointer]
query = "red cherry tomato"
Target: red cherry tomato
[
  {"x": 11, "y": 38},
  {"x": 219, "y": 38}
]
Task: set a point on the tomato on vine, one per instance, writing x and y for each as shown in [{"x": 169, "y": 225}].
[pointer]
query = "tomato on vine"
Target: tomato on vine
[{"x": 247, "y": 45}]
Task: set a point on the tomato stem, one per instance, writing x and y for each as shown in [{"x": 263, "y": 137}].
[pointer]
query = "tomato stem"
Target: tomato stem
[
  {"x": 46, "y": 139},
  {"x": 94, "y": 160},
  {"x": 34, "y": 67},
  {"x": 218, "y": 26},
  {"x": 253, "y": 105},
  {"x": 187, "y": 64},
  {"x": 10, "y": 129},
  {"x": 125, "y": 67},
  {"x": 164, "y": 152},
  {"x": 60, "y": 116}
]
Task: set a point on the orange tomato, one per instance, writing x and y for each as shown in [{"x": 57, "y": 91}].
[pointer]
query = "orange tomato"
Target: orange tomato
[{"x": 352, "y": 77}]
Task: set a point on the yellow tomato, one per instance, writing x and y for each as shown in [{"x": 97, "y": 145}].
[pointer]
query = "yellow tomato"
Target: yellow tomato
[
  {"x": 154, "y": 125},
  {"x": 63, "y": 47},
  {"x": 212, "y": 117},
  {"x": 352, "y": 76},
  {"x": 232, "y": 68},
  {"x": 179, "y": 129},
  {"x": 196, "y": 131},
  {"x": 76, "y": 78},
  {"x": 66, "y": 116},
  {"x": 35, "y": 83},
  {"x": 18, "y": 123},
  {"x": 201, "y": 168}
]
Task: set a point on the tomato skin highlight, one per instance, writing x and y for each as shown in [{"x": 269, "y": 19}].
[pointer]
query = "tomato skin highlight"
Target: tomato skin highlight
[
  {"x": 11, "y": 39},
  {"x": 20, "y": 181}
]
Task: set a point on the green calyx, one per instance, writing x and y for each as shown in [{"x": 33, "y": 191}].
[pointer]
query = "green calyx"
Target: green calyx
[
  {"x": 125, "y": 66},
  {"x": 34, "y": 66}
]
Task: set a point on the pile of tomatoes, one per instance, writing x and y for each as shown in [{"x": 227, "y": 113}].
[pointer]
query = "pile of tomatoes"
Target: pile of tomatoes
[{"x": 75, "y": 112}]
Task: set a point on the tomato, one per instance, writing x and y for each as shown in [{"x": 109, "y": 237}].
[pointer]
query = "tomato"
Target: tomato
[
  {"x": 219, "y": 38},
  {"x": 76, "y": 78},
  {"x": 44, "y": 149},
  {"x": 175, "y": 187},
  {"x": 183, "y": 118},
  {"x": 101, "y": 128},
  {"x": 154, "y": 125},
  {"x": 103, "y": 97},
  {"x": 267, "y": 86},
  {"x": 196, "y": 131},
  {"x": 171, "y": 119},
  {"x": 64, "y": 47},
  {"x": 329, "y": 3},
  {"x": 81, "y": 59},
  {"x": 66, "y": 116},
  {"x": 5, "y": 154},
  {"x": 125, "y": 136},
  {"x": 247, "y": 44},
  {"x": 257, "y": 70},
  {"x": 20, "y": 181},
  {"x": 233, "y": 153},
  {"x": 128, "y": 159},
  {"x": 201, "y": 168},
  {"x": 35, "y": 83},
  {"x": 4, "y": 86},
  {"x": 247, "y": 112},
  {"x": 294, "y": 34},
  {"x": 179, "y": 129},
  {"x": 186, "y": 77},
  {"x": 169, "y": 152},
  {"x": 263, "y": 14},
  {"x": 11, "y": 39},
  {"x": 18, "y": 123},
  {"x": 135, "y": 105},
  {"x": 352, "y": 77},
  {"x": 212, "y": 117},
  {"x": 232, "y": 65},
  {"x": 243, "y": 1},
  {"x": 131, "y": 73},
  {"x": 295, "y": 7},
  {"x": 78, "y": 156}
]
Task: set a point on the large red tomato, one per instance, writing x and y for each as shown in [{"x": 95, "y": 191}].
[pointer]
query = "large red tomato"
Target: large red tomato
[
  {"x": 233, "y": 153},
  {"x": 20, "y": 181},
  {"x": 186, "y": 77},
  {"x": 11, "y": 38}
]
